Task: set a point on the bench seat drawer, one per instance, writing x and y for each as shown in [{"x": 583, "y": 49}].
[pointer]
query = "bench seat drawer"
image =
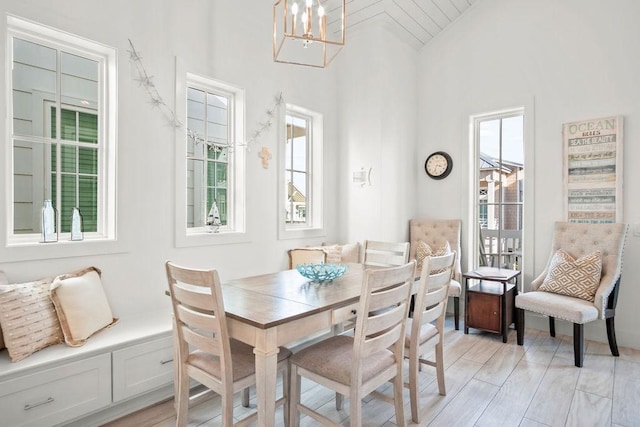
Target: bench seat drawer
[
  {"x": 58, "y": 394},
  {"x": 142, "y": 368}
]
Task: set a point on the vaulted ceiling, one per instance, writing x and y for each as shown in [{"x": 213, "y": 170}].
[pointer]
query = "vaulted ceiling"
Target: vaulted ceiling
[{"x": 417, "y": 21}]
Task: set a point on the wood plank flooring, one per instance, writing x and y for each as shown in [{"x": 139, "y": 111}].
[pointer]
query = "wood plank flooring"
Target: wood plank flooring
[{"x": 489, "y": 383}]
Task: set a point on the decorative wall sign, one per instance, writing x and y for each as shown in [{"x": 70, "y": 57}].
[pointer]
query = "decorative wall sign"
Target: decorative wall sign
[{"x": 593, "y": 170}]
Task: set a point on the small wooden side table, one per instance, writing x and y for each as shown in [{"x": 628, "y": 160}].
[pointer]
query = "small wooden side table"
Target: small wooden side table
[{"x": 489, "y": 304}]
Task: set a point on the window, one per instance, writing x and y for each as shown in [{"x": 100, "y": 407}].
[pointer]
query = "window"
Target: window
[
  {"x": 62, "y": 112},
  {"x": 500, "y": 187},
  {"x": 211, "y": 163},
  {"x": 301, "y": 173}
]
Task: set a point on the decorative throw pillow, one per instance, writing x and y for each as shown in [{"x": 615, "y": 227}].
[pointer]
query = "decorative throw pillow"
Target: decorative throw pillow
[
  {"x": 576, "y": 278},
  {"x": 81, "y": 304},
  {"x": 334, "y": 254},
  {"x": 3, "y": 281},
  {"x": 423, "y": 250},
  {"x": 349, "y": 252},
  {"x": 28, "y": 318}
]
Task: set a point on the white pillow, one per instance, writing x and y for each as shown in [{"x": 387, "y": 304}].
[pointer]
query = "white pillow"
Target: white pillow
[{"x": 81, "y": 305}]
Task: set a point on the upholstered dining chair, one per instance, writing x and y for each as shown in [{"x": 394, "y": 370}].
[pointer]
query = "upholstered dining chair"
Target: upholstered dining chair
[
  {"x": 580, "y": 283},
  {"x": 306, "y": 256},
  {"x": 355, "y": 365},
  {"x": 385, "y": 254},
  {"x": 430, "y": 306},
  {"x": 203, "y": 348},
  {"x": 435, "y": 234}
]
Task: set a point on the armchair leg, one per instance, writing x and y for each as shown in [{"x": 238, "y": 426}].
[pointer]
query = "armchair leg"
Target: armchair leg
[
  {"x": 552, "y": 326},
  {"x": 520, "y": 325},
  {"x": 611, "y": 335},
  {"x": 456, "y": 312},
  {"x": 578, "y": 344}
]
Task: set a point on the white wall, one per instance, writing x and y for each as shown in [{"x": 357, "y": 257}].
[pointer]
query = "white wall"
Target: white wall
[
  {"x": 566, "y": 61},
  {"x": 225, "y": 40},
  {"x": 378, "y": 112}
]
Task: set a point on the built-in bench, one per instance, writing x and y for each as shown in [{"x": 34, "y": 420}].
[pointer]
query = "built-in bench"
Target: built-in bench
[{"x": 119, "y": 370}]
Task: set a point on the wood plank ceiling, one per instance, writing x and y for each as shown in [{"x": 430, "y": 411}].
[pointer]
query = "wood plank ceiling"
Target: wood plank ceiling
[{"x": 417, "y": 21}]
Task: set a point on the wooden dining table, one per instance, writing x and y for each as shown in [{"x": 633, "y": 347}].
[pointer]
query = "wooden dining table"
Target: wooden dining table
[{"x": 272, "y": 310}]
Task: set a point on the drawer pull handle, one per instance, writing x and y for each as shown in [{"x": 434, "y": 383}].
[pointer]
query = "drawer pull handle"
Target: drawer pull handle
[
  {"x": 495, "y": 313},
  {"x": 35, "y": 405},
  {"x": 354, "y": 312},
  {"x": 164, "y": 362}
]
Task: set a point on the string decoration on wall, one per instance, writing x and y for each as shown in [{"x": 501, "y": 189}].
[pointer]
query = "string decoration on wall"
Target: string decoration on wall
[{"x": 146, "y": 81}]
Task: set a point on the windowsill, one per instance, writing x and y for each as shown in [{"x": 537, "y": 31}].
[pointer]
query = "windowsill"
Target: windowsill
[
  {"x": 197, "y": 238},
  {"x": 27, "y": 250},
  {"x": 300, "y": 233}
]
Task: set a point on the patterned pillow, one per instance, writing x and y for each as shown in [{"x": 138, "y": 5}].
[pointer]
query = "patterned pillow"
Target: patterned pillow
[
  {"x": 423, "y": 250},
  {"x": 81, "y": 305},
  {"x": 334, "y": 254},
  {"x": 576, "y": 278},
  {"x": 28, "y": 318}
]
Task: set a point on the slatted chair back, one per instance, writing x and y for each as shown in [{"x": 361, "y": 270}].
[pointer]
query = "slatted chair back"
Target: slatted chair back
[{"x": 385, "y": 254}]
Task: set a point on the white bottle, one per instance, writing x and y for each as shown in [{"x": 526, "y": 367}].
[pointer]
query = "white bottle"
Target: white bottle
[
  {"x": 49, "y": 233},
  {"x": 76, "y": 225}
]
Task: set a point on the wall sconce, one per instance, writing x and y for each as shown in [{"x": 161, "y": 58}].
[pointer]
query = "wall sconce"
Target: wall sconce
[{"x": 362, "y": 177}]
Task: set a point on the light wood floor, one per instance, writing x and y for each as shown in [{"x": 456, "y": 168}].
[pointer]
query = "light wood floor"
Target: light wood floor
[{"x": 489, "y": 383}]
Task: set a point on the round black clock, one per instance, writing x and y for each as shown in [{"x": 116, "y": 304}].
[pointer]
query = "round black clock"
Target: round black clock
[{"x": 438, "y": 165}]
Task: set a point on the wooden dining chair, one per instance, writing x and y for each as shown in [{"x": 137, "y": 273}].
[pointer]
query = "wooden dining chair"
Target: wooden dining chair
[
  {"x": 356, "y": 365},
  {"x": 385, "y": 254},
  {"x": 430, "y": 306},
  {"x": 204, "y": 350},
  {"x": 306, "y": 256}
]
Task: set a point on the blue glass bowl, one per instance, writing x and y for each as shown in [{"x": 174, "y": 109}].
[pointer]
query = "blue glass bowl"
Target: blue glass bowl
[{"x": 320, "y": 273}]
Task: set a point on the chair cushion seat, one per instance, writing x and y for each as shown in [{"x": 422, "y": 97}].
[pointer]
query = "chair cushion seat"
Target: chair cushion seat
[
  {"x": 242, "y": 358},
  {"x": 574, "y": 310},
  {"x": 455, "y": 290},
  {"x": 427, "y": 331},
  {"x": 333, "y": 359}
]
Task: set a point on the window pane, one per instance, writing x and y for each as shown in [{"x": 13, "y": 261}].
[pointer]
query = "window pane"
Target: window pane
[
  {"x": 88, "y": 160},
  {"x": 68, "y": 201},
  {"x": 300, "y": 154},
  {"x": 221, "y": 175},
  {"x": 68, "y": 158},
  {"x": 196, "y": 207},
  {"x": 68, "y": 125},
  {"x": 88, "y": 127},
  {"x": 34, "y": 82},
  {"x": 79, "y": 81},
  {"x": 88, "y": 204},
  {"x": 221, "y": 201}
]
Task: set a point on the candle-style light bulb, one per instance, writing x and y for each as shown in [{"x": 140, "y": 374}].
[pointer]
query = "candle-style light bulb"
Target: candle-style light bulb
[
  {"x": 294, "y": 14},
  {"x": 309, "y": 3},
  {"x": 322, "y": 22},
  {"x": 307, "y": 22}
]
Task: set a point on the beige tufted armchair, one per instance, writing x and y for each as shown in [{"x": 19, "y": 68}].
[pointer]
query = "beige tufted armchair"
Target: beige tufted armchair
[
  {"x": 434, "y": 233},
  {"x": 579, "y": 240}
]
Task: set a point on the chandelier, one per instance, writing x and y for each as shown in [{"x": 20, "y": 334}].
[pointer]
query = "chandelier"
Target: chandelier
[{"x": 308, "y": 32}]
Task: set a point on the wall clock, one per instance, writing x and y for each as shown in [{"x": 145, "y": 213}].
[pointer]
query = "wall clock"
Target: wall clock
[{"x": 438, "y": 165}]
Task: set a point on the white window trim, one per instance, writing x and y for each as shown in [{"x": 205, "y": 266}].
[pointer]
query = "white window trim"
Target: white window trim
[
  {"x": 26, "y": 247},
  {"x": 185, "y": 237},
  {"x": 316, "y": 211}
]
